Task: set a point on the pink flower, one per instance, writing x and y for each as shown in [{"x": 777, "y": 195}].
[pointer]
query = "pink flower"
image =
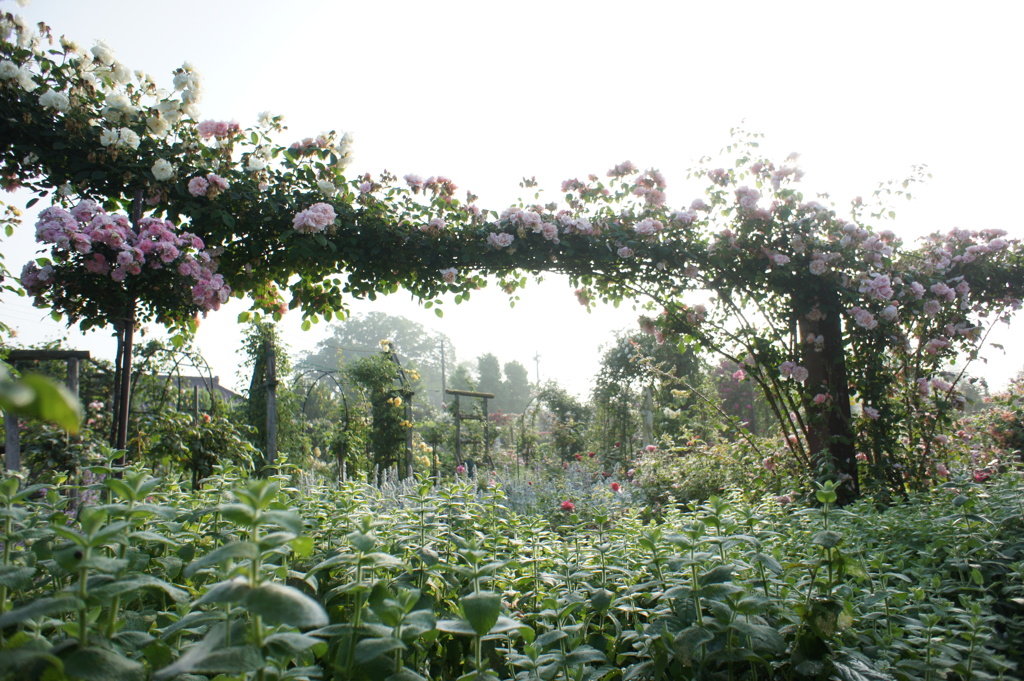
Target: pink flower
[
  {"x": 198, "y": 186},
  {"x": 871, "y": 413},
  {"x": 648, "y": 227},
  {"x": 415, "y": 182},
  {"x": 800, "y": 374},
  {"x": 786, "y": 369},
  {"x": 862, "y": 457},
  {"x": 500, "y": 239},
  {"x": 768, "y": 463},
  {"x": 784, "y": 499},
  {"x": 460, "y": 469},
  {"x": 616, "y": 487},
  {"x": 625, "y": 252},
  {"x": 316, "y": 218},
  {"x": 739, "y": 375},
  {"x": 942, "y": 439},
  {"x": 449, "y": 275},
  {"x": 820, "y": 398},
  {"x": 568, "y": 506},
  {"x": 651, "y": 448},
  {"x": 941, "y": 469}
]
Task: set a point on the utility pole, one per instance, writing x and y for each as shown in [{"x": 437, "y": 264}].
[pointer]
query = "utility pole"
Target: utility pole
[
  {"x": 444, "y": 386},
  {"x": 536, "y": 362},
  {"x": 271, "y": 386}
]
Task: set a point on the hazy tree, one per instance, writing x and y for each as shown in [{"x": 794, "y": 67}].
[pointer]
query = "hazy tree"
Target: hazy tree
[
  {"x": 489, "y": 380},
  {"x": 516, "y": 388},
  {"x": 418, "y": 348}
]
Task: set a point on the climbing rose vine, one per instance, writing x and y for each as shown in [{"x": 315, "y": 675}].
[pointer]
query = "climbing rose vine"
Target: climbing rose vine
[{"x": 99, "y": 262}]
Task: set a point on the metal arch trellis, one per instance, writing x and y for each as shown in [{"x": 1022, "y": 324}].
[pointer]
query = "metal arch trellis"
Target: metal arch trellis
[
  {"x": 346, "y": 420},
  {"x": 459, "y": 417}
]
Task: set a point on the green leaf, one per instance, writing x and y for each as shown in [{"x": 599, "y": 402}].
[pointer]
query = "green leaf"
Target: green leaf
[
  {"x": 239, "y": 550},
  {"x": 302, "y": 547},
  {"x": 689, "y": 640},
  {"x": 827, "y": 539},
  {"x": 549, "y": 637},
  {"x": 281, "y": 604},
  {"x": 481, "y": 610},
  {"x": 209, "y": 655},
  {"x": 762, "y": 638},
  {"x": 370, "y": 648},
  {"x": 584, "y": 655},
  {"x": 42, "y": 607},
  {"x": 16, "y": 577},
  {"x": 135, "y": 582},
  {"x": 228, "y": 591},
  {"x": 100, "y": 664},
  {"x": 456, "y": 627},
  {"x": 39, "y": 397}
]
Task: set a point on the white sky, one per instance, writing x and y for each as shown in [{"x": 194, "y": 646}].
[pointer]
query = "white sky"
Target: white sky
[{"x": 489, "y": 92}]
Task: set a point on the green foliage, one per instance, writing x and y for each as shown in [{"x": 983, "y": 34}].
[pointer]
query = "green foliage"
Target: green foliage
[
  {"x": 178, "y": 442},
  {"x": 380, "y": 376},
  {"x": 569, "y": 419},
  {"x": 690, "y": 471},
  {"x": 37, "y": 397},
  {"x": 250, "y": 579}
]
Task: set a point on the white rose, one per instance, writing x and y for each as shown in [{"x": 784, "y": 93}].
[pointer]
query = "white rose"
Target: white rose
[
  {"x": 163, "y": 170},
  {"x": 129, "y": 138},
  {"x": 122, "y": 74},
  {"x": 120, "y": 102},
  {"x": 326, "y": 188},
  {"x": 8, "y": 70},
  {"x": 25, "y": 80},
  {"x": 103, "y": 53},
  {"x": 255, "y": 163},
  {"x": 51, "y": 99},
  {"x": 108, "y": 137},
  {"x": 158, "y": 126}
]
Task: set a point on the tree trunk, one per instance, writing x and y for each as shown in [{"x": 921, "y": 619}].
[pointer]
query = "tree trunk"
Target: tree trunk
[
  {"x": 126, "y": 336},
  {"x": 830, "y": 435}
]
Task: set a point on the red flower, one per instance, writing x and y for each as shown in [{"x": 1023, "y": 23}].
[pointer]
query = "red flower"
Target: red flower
[
  {"x": 579, "y": 456},
  {"x": 591, "y": 455},
  {"x": 568, "y": 506},
  {"x": 616, "y": 487}
]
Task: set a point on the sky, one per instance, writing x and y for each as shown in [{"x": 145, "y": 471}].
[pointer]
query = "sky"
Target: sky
[{"x": 489, "y": 93}]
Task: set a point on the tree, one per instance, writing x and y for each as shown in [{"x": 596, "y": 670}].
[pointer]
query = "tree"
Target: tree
[
  {"x": 419, "y": 348},
  {"x": 516, "y": 389},
  {"x": 489, "y": 379}
]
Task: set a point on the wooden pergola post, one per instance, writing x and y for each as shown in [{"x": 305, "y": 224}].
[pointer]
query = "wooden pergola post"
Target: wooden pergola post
[{"x": 12, "y": 442}]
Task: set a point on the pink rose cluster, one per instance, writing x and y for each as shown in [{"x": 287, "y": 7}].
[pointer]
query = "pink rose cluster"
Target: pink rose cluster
[
  {"x": 316, "y": 218},
  {"x": 500, "y": 239},
  {"x": 218, "y": 129},
  {"x": 792, "y": 370},
  {"x": 208, "y": 186},
  {"x": 108, "y": 245}
]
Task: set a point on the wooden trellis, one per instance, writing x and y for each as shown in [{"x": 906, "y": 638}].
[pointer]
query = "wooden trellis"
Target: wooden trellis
[{"x": 459, "y": 417}]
